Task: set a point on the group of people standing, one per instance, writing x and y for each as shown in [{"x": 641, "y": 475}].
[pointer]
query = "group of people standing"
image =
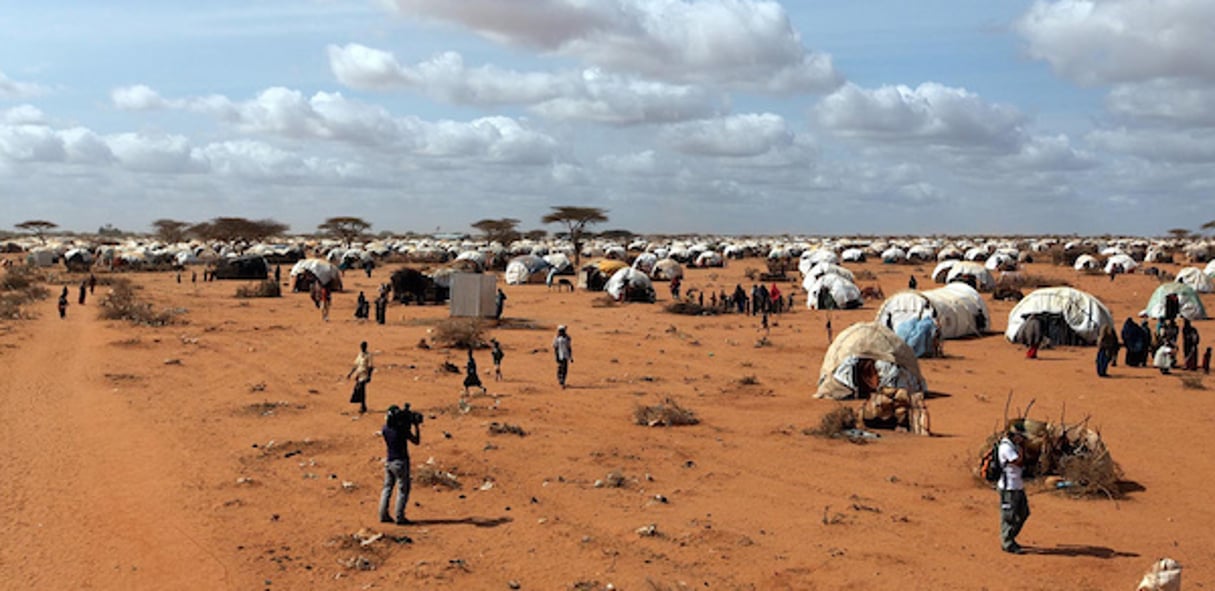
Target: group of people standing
[{"x": 1159, "y": 347}]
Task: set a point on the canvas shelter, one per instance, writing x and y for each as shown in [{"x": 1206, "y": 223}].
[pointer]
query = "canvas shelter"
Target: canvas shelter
[
  {"x": 973, "y": 274},
  {"x": 304, "y": 272},
  {"x": 709, "y": 258},
  {"x": 1209, "y": 271},
  {"x": 941, "y": 271},
  {"x": 631, "y": 285},
  {"x": 41, "y": 257},
  {"x": 1001, "y": 261},
  {"x": 1189, "y": 303},
  {"x": 831, "y": 292},
  {"x": 894, "y": 254},
  {"x": 957, "y": 309},
  {"x": 1195, "y": 278},
  {"x": 559, "y": 263},
  {"x": 829, "y": 269},
  {"x": 595, "y": 275},
  {"x": 853, "y": 255},
  {"x": 864, "y": 358},
  {"x": 244, "y": 267},
  {"x": 1087, "y": 262},
  {"x": 1121, "y": 262},
  {"x": 645, "y": 262},
  {"x": 527, "y": 268},
  {"x": 666, "y": 270},
  {"x": 1067, "y": 316}
]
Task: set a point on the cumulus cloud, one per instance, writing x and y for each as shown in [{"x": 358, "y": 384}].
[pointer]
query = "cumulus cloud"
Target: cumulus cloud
[
  {"x": 1157, "y": 145},
  {"x": 733, "y": 136},
  {"x": 23, "y": 115},
  {"x": 13, "y": 89},
  {"x": 637, "y": 163},
  {"x": 137, "y": 98},
  {"x": 587, "y": 95},
  {"x": 747, "y": 44},
  {"x": 1112, "y": 41},
  {"x": 931, "y": 114}
]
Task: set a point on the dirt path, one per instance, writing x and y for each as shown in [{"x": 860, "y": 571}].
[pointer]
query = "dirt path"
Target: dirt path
[{"x": 92, "y": 495}]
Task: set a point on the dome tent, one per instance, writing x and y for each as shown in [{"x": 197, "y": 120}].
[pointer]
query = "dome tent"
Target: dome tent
[
  {"x": 864, "y": 357},
  {"x": 526, "y": 268},
  {"x": 1120, "y": 263},
  {"x": 1087, "y": 262},
  {"x": 304, "y": 272},
  {"x": 958, "y": 310},
  {"x": 941, "y": 271},
  {"x": 1189, "y": 304},
  {"x": 973, "y": 274},
  {"x": 1071, "y": 316},
  {"x": 639, "y": 286},
  {"x": 831, "y": 292},
  {"x": 666, "y": 270},
  {"x": 1195, "y": 278}
]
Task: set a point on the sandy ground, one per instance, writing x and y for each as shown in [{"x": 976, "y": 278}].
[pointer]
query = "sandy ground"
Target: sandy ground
[{"x": 221, "y": 453}]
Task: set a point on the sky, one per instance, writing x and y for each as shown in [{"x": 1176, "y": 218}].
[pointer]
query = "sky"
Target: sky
[{"x": 676, "y": 116}]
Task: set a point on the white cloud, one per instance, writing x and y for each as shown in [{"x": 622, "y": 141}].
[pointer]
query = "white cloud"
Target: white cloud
[
  {"x": 744, "y": 44},
  {"x": 637, "y": 163},
  {"x": 1157, "y": 145},
  {"x": 30, "y": 143},
  {"x": 1049, "y": 153},
  {"x": 83, "y": 146},
  {"x": 163, "y": 154},
  {"x": 137, "y": 98},
  {"x": 588, "y": 95},
  {"x": 23, "y": 115},
  {"x": 734, "y": 136},
  {"x": 1167, "y": 101},
  {"x": 1111, "y": 41},
  {"x": 931, "y": 114},
  {"x": 13, "y": 89}
]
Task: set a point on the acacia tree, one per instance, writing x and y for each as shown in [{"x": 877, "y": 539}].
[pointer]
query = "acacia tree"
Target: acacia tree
[
  {"x": 576, "y": 218},
  {"x": 345, "y": 228},
  {"x": 230, "y": 229},
  {"x": 501, "y": 231},
  {"x": 38, "y": 228},
  {"x": 1179, "y": 233},
  {"x": 1209, "y": 226},
  {"x": 536, "y": 235},
  {"x": 170, "y": 231}
]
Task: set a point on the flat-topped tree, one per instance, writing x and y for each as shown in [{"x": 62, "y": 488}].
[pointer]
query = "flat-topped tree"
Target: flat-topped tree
[
  {"x": 345, "y": 228},
  {"x": 501, "y": 231},
  {"x": 230, "y": 229},
  {"x": 1209, "y": 226},
  {"x": 170, "y": 231},
  {"x": 38, "y": 228},
  {"x": 576, "y": 218}
]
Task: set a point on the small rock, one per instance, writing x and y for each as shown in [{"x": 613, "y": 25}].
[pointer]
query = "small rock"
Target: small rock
[
  {"x": 648, "y": 531},
  {"x": 513, "y": 584},
  {"x": 172, "y": 361}
]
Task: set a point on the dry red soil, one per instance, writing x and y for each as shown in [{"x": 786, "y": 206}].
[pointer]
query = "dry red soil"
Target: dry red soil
[{"x": 142, "y": 458}]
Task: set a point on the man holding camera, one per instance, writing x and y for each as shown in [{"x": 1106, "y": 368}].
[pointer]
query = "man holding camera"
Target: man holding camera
[
  {"x": 401, "y": 427},
  {"x": 1014, "y": 506}
]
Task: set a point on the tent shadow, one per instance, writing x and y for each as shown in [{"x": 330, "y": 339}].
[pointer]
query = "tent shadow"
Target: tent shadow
[
  {"x": 474, "y": 521},
  {"x": 1076, "y": 550},
  {"x": 1129, "y": 486},
  {"x": 932, "y": 395}
]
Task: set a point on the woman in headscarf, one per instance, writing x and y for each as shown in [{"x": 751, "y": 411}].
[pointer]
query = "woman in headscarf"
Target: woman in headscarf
[
  {"x": 1136, "y": 343},
  {"x": 1107, "y": 350},
  {"x": 1189, "y": 345}
]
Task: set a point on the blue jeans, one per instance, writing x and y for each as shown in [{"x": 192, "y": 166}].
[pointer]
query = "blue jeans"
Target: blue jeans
[{"x": 396, "y": 473}]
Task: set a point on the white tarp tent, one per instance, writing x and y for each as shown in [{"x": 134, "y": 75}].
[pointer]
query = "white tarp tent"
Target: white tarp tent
[
  {"x": 970, "y": 271},
  {"x": 941, "y": 271},
  {"x": 666, "y": 270},
  {"x": 831, "y": 291},
  {"x": 849, "y": 356},
  {"x": 1083, "y": 312},
  {"x": 1195, "y": 278},
  {"x": 1120, "y": 261},
  {"x": 522, "y": 269},
  {"x": 957, "y": 309},
  {"x": 323, "y": 270},
  {"x": 1086, "y": 262},
  {"x": 639, "y": 285},
  {"x": 1188, "y": 302},
  {"x": 829, "y": 269}
]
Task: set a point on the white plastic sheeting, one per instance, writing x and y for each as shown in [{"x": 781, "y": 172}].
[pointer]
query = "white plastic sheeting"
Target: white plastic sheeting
[
  {"x": 1083, "y": 312},
  {"x": 957, "y": 308}
]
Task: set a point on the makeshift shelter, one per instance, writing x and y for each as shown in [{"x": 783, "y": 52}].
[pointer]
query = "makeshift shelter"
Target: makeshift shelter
[
  {"x": 244, "y": 267},
  {"x": 941, "y": 271},
  {"x": 527, "y": 268},
  {"x": 831, "y": 292},
  {"x": 1001, "y": 261},
  {"x": 973, "y": 274},
  {"x": 474, "y": 295},
  {"x": 666, "y": 270},
  {"x": 894, "y": 254},
  {"x": 1071, "y": 454},
  {"x": 709, "y": 258},
  {"x": 864, "y": 358},
  {"x": 1120, "y": 263},
  {"x": 645, "y": 262},
  {"x": 78, "y": 259},
  {"x": 594, "y": 276},
  {"x": 630, "y": 285},
  {"x": 1195, "y": 278},
  {"x": 1065, "y": 316},
  {"x": 305, "y": 272},
  {"x": 957, "y": 309},
  {"x": 41, "y": 257},
  {"x": 825, "y": 268},
  {"x": 853, "y": 255},
  {"x": 1087, "y": 262},
  {"x": 414, "y": 286},
  {"x": 559, "y": 264},
  {"x": 1189, "y": 304}
]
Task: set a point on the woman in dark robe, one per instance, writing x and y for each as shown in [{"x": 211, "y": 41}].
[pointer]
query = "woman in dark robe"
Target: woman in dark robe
[
  {"x": 1107, "y": 350},
  {"x": 1189, "y": 345},
  {"x": 472, "y": 380},
  {"x": 1136, "y": 344}
]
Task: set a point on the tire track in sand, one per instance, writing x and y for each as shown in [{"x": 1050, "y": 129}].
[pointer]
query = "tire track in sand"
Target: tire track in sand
[{"x": 92, "y": 494}]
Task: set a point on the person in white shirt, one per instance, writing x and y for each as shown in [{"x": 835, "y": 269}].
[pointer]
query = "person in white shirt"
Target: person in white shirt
[
  {"x": 1014, "y": 506},
  {"x": 564, "y": 352}
]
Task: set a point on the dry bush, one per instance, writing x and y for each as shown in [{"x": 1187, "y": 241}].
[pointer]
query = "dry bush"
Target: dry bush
[
  {"x": 752, "y": 273},
  {"x": 1028, "y": 281},
  {"x": 835, "y": 422},
  {"x": 121, "y": 303},
  {"x": 261, "y": 289},
  {"x": 689, "y": 309},
  {"x": 1191, "y": 382},
  {"x": 748, "y": 380},
  {"x": 18, "y": 287},
  {"x": 1093, "y": 472},
  {"x": 461, "y": 333},
  {"x": 19, "y": 278},
  {"x": 864, "y": 275},
  {"x": 497, "y": 428},
  {"x": 430, "y": 474},
  {"x": 668, "y": 413}
]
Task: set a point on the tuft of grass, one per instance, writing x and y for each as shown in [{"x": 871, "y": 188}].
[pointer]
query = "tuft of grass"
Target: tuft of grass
[
  {"x": 497, "y": 428},
  {"x": 430, "y": 474},
  {"x": 748, "y": 380},
  {"x": 835, "y": 422},
  {"x": 668, "y": 413},
  {"x": 689, "y": 309},
  {"x": 261, "y": 289},
  {"x": 1191, "y": 382}
]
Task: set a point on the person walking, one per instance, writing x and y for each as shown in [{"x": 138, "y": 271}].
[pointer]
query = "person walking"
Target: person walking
[
  {"x": 400, "y": 429},
  {"x": 1014, "y": 505},
  {"x": 564, "y": 352},
  {"x": 471, "y": 379},
  {"x": 63, "y": 304},
  {"x": 381, "y": 308},
  {"x": 326, "y": 301},
  {"x": 1107, "y": 350},
  {"x": 360, "y": 308},
  {"x": 1206, "y": 362},
  {"x": 84, "y": 286},
  {"x": 911, "y": 282},
  {"x": 496, "y": 352},
  {"x": 361, "y": 372},
  {"x": 92, "y": 283}
]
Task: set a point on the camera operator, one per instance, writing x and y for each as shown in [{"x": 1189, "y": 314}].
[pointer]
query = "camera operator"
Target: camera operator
[{"x": 401, "y": 427}]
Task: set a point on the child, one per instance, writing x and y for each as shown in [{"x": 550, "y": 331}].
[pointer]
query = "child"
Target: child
[{"x": 497, "y": 354}]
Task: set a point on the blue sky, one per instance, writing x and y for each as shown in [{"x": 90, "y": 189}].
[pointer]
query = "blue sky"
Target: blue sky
[{"x": 727, "y": 116}]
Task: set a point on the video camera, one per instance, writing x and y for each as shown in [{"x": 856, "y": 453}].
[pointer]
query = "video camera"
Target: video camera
[{"x": 405, "y": 417}]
